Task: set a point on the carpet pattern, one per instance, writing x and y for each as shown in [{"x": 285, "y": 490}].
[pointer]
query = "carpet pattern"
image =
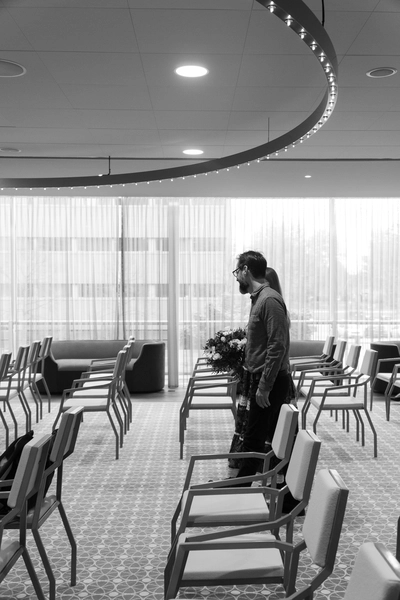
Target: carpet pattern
[{"x": 120, "y": 511}]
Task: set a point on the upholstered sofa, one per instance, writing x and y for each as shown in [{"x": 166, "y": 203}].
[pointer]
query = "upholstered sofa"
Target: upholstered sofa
[{"x": 69, "y": 358}]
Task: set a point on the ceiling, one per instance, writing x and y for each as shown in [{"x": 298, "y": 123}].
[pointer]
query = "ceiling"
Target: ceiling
[{"x": 100, "y": 94}]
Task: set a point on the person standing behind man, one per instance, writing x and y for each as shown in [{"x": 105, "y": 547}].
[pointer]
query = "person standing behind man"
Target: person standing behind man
[{"x": 266, "y": 378}]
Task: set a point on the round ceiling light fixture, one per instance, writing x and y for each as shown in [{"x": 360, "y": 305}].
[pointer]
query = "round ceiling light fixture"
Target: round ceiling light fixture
[
  {"x": 9, "y": 68},
  {"x": 10, "y": 150},
  {"x": 193, "y": 151},
  {"x": 380, "y": 72},
  {"x": 191, "y": 71}
]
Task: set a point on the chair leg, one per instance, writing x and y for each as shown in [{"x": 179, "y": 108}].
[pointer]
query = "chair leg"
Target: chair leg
[
  {"x": 35, "y": 391},
  {"x": 32, "y": 574},
  {"x": 27, "y": 410},
  {"x": 72, "y": 542},
  {"x": 117, "y": 441},
  {"x": 6, "y": 428},
  {"x": 46, "y": 387},
  {"x": 373, "y": 433},
  {"x": 46, "y": 564},
  {"x": 12, "y": 415},
  {"x": 387, "y": 406}
]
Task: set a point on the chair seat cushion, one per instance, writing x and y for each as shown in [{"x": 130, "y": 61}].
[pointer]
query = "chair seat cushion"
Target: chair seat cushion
[
  {"x": 89, "y": 404},
  {"x": 90, "y": 390},
  {"x": 338, "y": 402},
  {"x": 237, "y": 563},
  {"x": 7, "y": 551},
  {"x": 233, "y": 508},
  {"x": 384, "y": 376}
]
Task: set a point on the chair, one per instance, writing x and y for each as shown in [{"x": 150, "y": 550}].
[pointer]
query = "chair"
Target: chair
[
  {"x": 204, "y": 506},
  {"x": 328, "y": 366},
  {"x": 244, "y": 555},
  {"x": 101, "y": 367},
  {"x": 45, "y": 505},
  {"x": 13, "y": 385},
  {"x": 230, "y": 506},
  {"x": 326, "y": 377},
  {"x": 30, "y": 380},
  {"x": 213, "y": 392},
  {"x": 312, "y": 384},
  {"x": 29, "y": 473},
  {"x": 336, "y": 398},
  {"x": 5, "y": 360},
  {"x": 375, "y": 575},
  {"x": 296, "y": 362},
  {"x": 392, "y": 389},
  {"x": 98, "y": 396},
  {"x": 388, "y": 357},
  {"x": 45, "y": 349}
]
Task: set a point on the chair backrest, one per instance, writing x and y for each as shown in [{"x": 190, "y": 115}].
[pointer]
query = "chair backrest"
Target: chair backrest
[
  {"x": 45, "y": 347},
  {"x": 21, "y": 359},
  {"x": 302, "y": 465},
  {"x": 33, "y": 357},
  {"x": 120, "y": 364},
  {"x": 5, "y": 360},
  {"x": 368, "y": 364},
  {"x": 282, "y": 441},
  {"x": 339, "y": 350},
  {"x": 353, "y": 356},
  {"x": 30, "y": 471},
  {"x": 328, "y": 346},
  {"x": 375, "y": 575},
  {"x": 67, "y": 433},
  {"x": 323, "y": 522}
]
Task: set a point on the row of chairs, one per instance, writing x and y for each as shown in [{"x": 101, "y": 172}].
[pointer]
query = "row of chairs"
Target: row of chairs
[
  {"x": 18, "y": 376},
  {"x": 29, "y": 505},
  {"x": 102, "y": 389},
  {"x": 206, "y": 391},
  {"x": 245, "y": 544},
  {"x": 338, "y": 385}
]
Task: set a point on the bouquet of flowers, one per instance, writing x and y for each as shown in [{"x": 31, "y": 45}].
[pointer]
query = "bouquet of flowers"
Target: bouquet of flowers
[{"x": 225, "y": 351}]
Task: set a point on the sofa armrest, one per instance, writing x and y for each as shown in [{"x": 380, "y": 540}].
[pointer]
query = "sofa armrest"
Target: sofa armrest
[{"x": 146, "y": 373}]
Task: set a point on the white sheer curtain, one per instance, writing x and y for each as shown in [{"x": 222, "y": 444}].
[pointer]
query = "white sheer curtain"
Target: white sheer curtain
[{"x": 161, "y": 267}]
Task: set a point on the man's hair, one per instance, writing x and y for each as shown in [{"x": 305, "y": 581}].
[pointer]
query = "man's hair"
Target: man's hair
[{"x": 255, "y": 262}]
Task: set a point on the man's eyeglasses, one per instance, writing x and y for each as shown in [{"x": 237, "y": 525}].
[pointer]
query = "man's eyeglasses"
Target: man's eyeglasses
[{"x": 236, "y": 271}]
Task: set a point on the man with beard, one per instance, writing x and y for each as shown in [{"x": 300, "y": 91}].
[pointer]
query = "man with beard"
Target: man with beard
[{"x": 266, "y": 379}]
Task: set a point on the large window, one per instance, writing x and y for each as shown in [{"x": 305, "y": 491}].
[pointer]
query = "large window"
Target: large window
[{"x": 161, "y": 268}]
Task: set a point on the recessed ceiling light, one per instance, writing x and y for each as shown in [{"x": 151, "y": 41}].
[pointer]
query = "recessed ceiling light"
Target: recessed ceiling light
[
  {"x": 193, "y": 151},
  {"x": 381, "y": 72},
  {"x": 191, "y": 71},
  {"x": 10, "y": 150},
  {"x": 11, "y": 69},
  {"x": 307, "y": 176}
]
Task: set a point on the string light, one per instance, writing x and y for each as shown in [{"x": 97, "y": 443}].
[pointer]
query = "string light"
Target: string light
[{"x": 323, "y": 49}]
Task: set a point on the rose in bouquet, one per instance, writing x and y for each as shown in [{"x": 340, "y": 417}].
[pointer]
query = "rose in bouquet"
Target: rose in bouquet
[{"x": 225, "y": 351}]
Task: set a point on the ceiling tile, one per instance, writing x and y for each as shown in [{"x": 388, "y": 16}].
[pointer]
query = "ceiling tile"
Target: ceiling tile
[
  {"x": 63, "y": 29},
  {"x": 201, "y": 98},
  {"x": 190, "y": 31},
  {"x": 379, "y": 36},
  {"x": 281, "y": 71},
  {"x": 274, "y": 99},
  {"x": 112, "y": 68},
  {"x": 191, "y": 119},
  {"x": 122, "y": 97}
]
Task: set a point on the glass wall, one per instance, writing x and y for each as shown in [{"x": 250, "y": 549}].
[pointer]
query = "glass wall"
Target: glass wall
[{"x": 160, "y": 268}]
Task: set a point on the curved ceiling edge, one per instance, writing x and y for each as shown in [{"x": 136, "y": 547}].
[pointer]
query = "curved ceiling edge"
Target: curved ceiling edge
[{"x": 294, "y": 14}]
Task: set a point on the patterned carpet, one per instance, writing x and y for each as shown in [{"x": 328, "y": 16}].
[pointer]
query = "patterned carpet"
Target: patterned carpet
[{"x": 120, "y": 510}]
